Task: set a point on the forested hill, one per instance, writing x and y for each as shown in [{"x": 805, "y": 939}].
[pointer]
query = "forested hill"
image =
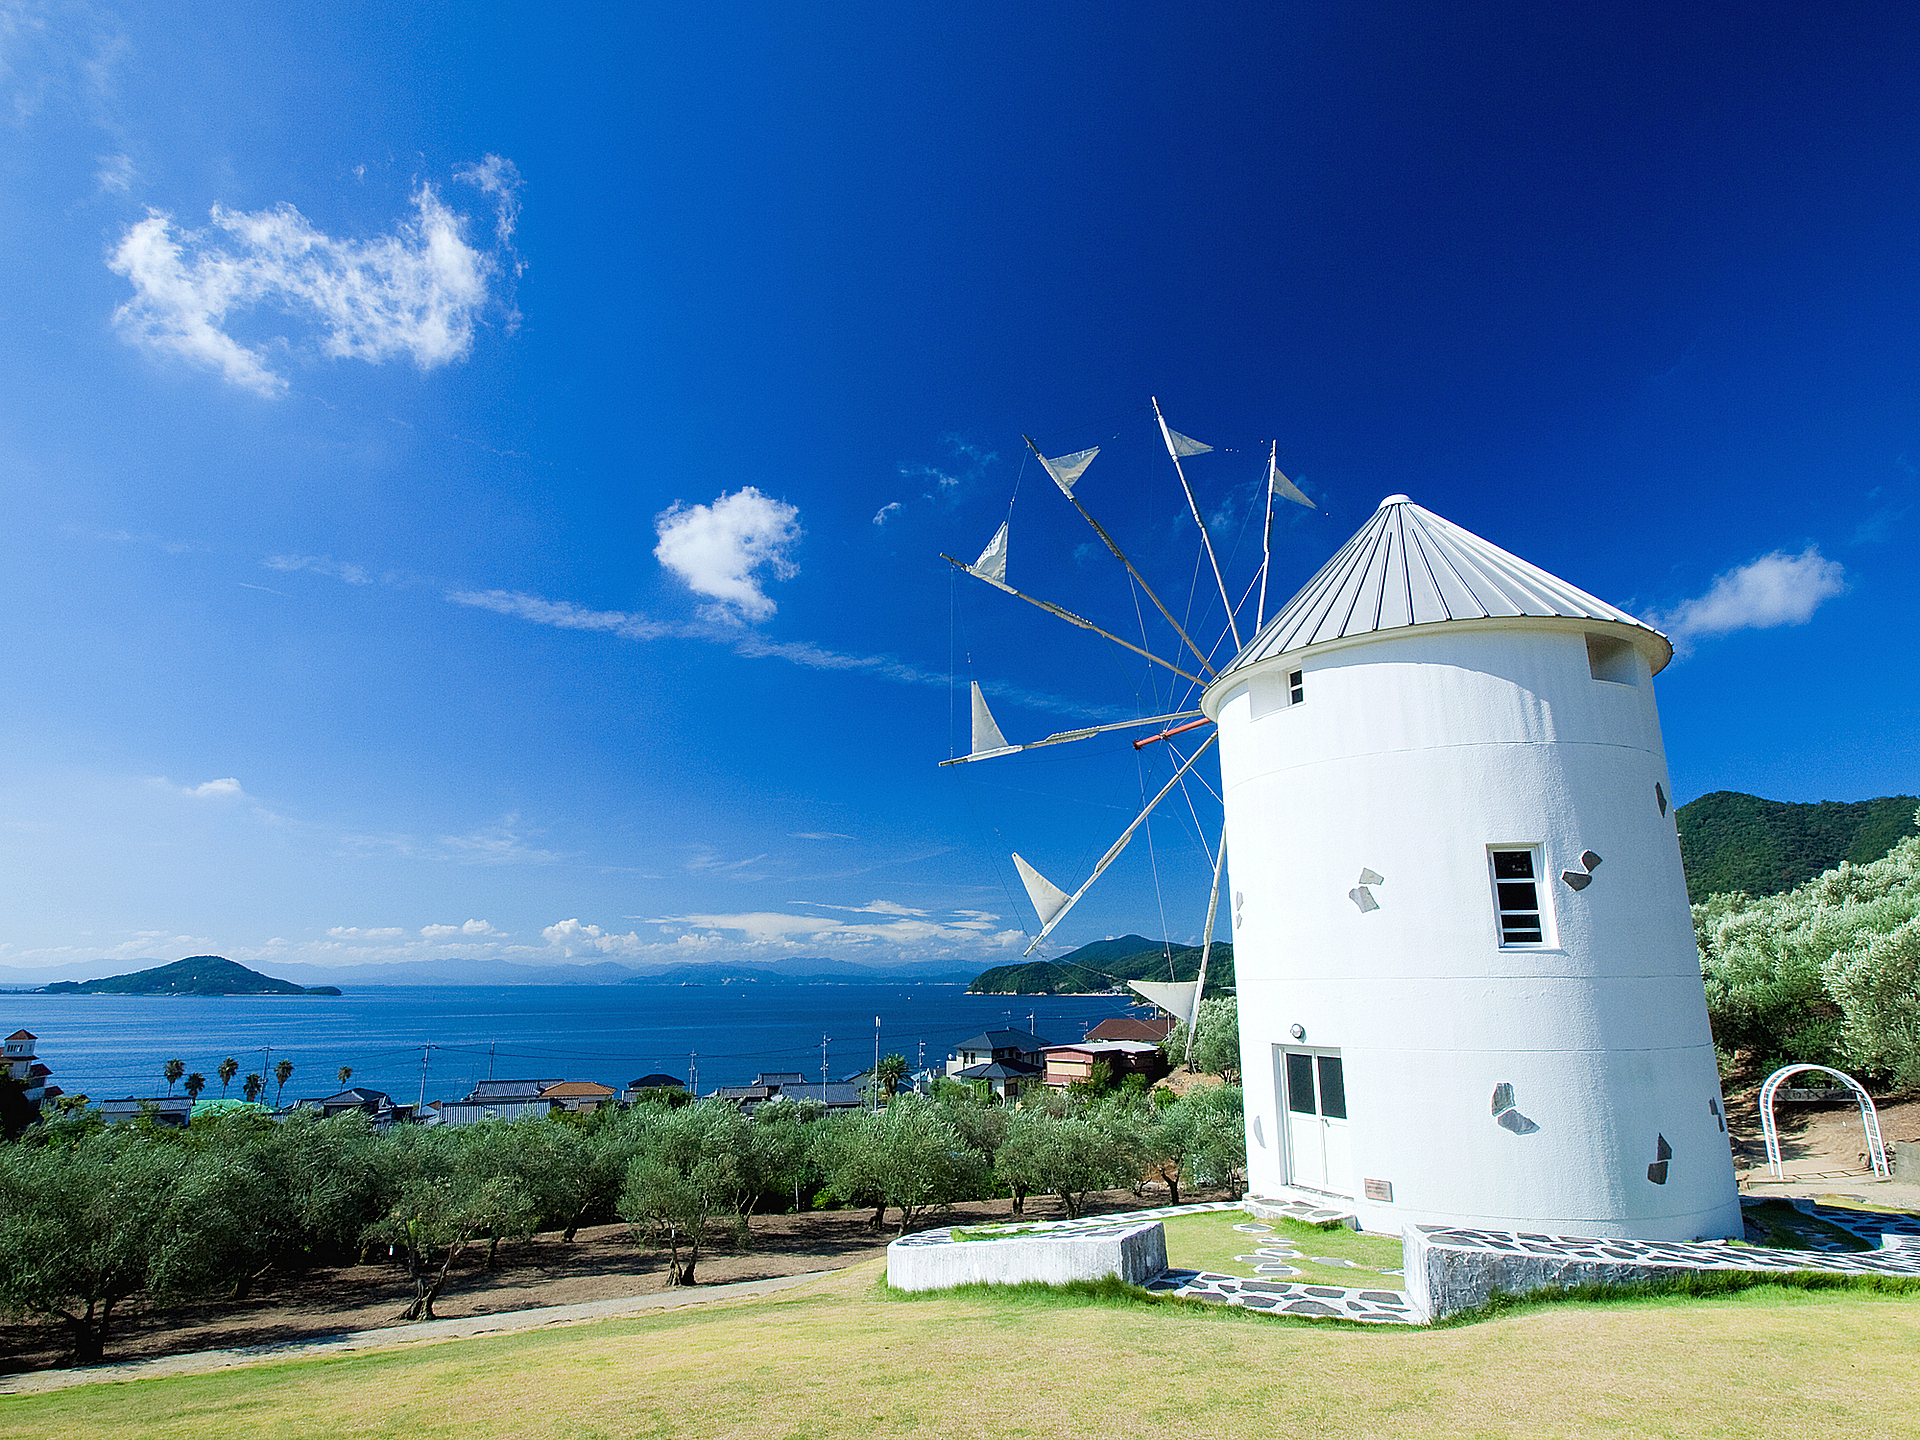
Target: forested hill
[
  {"x": 1103, "y": 964},
  {"x": 195, "y": 975},
  {"x": 1730, "y": 841}
]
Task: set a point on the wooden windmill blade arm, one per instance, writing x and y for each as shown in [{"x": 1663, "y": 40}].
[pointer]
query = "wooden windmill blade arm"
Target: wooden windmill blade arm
[
  {"x": 1233, "y": 624},
  {"x": 1066, "y": 736},
  {"x": 1113, "y": 851},
  {"x": 1071, "y": 618},
  {"x": 1121, "y": 556}
]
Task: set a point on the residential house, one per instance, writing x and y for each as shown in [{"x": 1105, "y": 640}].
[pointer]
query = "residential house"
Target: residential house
[
  {"x": 1068, "y": 1063},
  {"x": 1152, "y": 1028},
  {"x": 471, "y": 1112},
  {"x": 375, "y": 1103},
  {"x": 792, "y": 1085},
  {"x": 173, "y": 1111},
  {"x": 1003, "y": 1046},
  {"x": 490, "y": 1091},
  {"x": 582, "y": 1097},
  {"x": 649, "y": 1082},
  {"x": 18, "y": 1062}
]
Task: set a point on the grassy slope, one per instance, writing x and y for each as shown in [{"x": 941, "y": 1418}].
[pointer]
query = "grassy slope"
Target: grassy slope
[
  {"x": 846, "y": 1359},
  {"x": 1208, "y": 1241},
  {"x": 1731, "y": 841}
]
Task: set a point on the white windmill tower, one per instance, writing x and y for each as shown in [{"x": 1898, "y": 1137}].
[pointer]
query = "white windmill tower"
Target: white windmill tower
[{"x": 1449, "y": 1011}]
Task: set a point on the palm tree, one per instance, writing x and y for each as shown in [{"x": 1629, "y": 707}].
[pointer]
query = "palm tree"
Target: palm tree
[
  {"x": 346, "y": 1074},
  {"x": 229, "y": 1068},
  {"x": 282, "y": 1072},
  {"x": 890, "y": 1073},
  {"x": 254, "y": 1086},
  {"x": 196, "y": 1082},
  {"x": 173, "y": 1070}
]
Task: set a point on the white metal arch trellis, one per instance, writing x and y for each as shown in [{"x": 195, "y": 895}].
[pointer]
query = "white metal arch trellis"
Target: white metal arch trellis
[{"x": 1869, "y": 1118}]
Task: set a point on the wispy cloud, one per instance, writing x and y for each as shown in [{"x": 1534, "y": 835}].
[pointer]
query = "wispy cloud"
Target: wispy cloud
[
  {"x": 415, "y": 293},
  {"x": 227, "y": 789},
  {"x": 720, "y": 550},
  {"x": 502, "y": 844},
  {"x": 115, "y": 174},
  {"x": 564, "y": 615},
  {"x": 320, "y": 565},
  {"x": 887, "y": 512},
  {"x": 909, "y": 933},
  {"x": 355, "y": 932},
  {"x": 818, "y": 835},
  {"x": 1773, "y": 590}
]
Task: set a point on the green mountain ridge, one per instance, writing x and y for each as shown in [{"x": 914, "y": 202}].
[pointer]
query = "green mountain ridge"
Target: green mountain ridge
[
  {"x": 195, "y": 975},
  {"x": 1103, "y": 964},
  {"x": 1731, "y": 841}
]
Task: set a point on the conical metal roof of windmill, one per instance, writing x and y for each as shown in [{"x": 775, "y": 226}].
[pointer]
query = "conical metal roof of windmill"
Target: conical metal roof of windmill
[{"x": 1408, "y": 566}]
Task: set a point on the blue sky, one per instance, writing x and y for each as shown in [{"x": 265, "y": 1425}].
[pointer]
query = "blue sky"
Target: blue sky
[{"x": 475, "y": 475}]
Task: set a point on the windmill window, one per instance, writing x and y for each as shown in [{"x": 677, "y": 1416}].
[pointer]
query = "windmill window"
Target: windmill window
[
  {"x": 1517, "y": 901},
  {"x": 1611, "y": 659},
  {"x": 1296, "y": 688}
]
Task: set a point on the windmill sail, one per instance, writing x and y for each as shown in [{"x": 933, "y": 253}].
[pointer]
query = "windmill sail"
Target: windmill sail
[
  {"x": 1285, "y": 488},
  {"x": 986, "y": 734},
  {"x": 1048, "y": 898},
  {"x": 992, "y": 564},
  {"x": 1067, "y": 469},
  {"x": 1180, "y": 446},
  {"x": 1177, "y": 998}
]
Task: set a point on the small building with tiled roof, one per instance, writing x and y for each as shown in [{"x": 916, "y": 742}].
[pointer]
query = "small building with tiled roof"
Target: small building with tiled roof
[
  {"x": 997, "y": 1047},
  {"x": 579, "y": 1096},
  {"x": 1067, "y": 1064},
  {"x": 1152, "y": 1028}
]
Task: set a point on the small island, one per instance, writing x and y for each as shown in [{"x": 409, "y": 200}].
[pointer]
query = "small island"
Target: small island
[
  {"x": 195, "y": 975},
  {"x": 1106, "y": 965}
]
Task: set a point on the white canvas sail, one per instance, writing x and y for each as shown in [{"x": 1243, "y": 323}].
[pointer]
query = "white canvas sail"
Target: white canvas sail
[
  {"x": 1176, "y": 997},
  {"x": 1285, "y": 488},
  {"x": 992, "y": 564},
  {"x": 1066, "y": 469},
  {"x": 1048, "y": 898},
  {"x": 1180, "y": 446},
  {"x": 986, "y": 734}
]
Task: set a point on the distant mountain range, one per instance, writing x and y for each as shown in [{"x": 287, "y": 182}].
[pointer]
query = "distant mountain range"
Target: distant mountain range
[
  {"x": 195, "y": 975},
  {"x": 1105, "y": 963},
  {"x": 1730, "y": 841},
  {"x": 815, "y": 970}
]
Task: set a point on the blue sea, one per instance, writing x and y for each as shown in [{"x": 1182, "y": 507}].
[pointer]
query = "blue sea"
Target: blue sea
[{"x": 112, "y": 1046}]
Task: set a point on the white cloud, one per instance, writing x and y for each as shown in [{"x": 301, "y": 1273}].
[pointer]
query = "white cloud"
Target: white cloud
[
  {"x": 720, "y": 549},
  {"x": 226, "y": 789},
  {"x": 818, "y": 835},
  {"x": 499, "y": 177},
  {"x": 355, "y": 932},
  {"x": 887, "y": 512},
  {"x": 472, "y": 927},
  {"x": 501, "y": 844},
  {"x": 415, "y": 292},
  {"x": 1776, "y": 589},
  {"x": 320, "y": 565}
]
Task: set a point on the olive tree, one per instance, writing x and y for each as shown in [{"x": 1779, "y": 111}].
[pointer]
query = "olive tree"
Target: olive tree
[{"x": 689, "y": 1167}]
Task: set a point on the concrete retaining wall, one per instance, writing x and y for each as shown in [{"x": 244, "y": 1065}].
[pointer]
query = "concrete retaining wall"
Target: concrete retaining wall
[{"x": 936, "y": 1261}]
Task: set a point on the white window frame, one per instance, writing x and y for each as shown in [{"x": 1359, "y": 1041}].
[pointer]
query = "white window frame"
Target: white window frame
[{"x": 1543, "y": 896}]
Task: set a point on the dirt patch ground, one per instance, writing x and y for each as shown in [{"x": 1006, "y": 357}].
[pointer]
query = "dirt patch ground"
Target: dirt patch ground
[
  {"x": 603, "y": 1263},
  {"x": 1822, "y": 1148}
]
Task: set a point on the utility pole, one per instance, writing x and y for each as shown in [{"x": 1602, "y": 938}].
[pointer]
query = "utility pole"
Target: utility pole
[
  {"x": 422, "y": 1102},
  {"x": 693, "y": 1074},
  {"x": 823, "y": 1069},
  {"x": 876, "y": 1064},
  {"x": 490, "y": 1045}
]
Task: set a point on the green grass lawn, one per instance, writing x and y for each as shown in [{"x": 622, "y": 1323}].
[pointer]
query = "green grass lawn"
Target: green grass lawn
[
  {"x": 1208, "y": 1241},
  {"x": 846, "y": 1358}
]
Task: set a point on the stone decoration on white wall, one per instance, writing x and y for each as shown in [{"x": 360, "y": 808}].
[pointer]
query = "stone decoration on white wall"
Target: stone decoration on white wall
[{"x": 1458, "y": 702}]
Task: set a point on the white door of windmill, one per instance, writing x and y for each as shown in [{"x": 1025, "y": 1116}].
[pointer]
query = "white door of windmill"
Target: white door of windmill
[{"x": 1314, "y": 1086}]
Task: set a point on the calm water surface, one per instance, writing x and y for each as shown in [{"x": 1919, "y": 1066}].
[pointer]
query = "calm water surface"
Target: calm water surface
[{"x": 113, "y": 1045}]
